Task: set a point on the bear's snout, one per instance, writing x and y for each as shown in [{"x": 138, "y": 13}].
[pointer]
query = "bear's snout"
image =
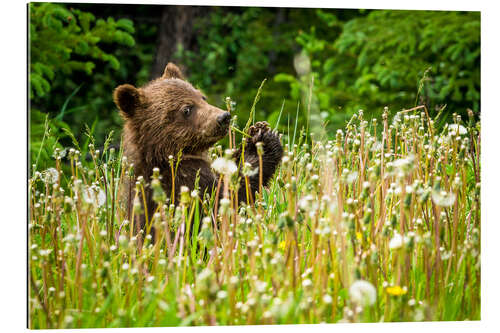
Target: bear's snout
[{"x": 223, "y": 119}]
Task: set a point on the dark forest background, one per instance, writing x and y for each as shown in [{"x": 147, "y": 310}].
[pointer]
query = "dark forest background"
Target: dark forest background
[{"x": 325, "y": 63}]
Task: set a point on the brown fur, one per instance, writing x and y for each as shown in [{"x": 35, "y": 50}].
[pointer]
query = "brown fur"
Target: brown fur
[{"x": 156, "y": 127}]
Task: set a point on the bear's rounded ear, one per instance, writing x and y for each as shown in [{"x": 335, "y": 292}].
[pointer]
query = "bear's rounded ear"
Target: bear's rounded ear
[
  {"x": 172, "y": 72},
  {"x": 127, "y": 98}
]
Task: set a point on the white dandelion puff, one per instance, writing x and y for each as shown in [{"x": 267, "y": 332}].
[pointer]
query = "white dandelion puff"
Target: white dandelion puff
[
  {"x": 51, "y": 175},
  {"x": 307, "y": 283},
  {"x": 443, "y": 199},
  {"x": 224, "y": 166},
  {"x": 351, "y": 177},
  {"x": 304, "y": 202},
  {"x": 222, "y": 294},
  {"x": 455, "y": 128},
  {"x": 248, "y": 171},
  {"x": 363, "y": 293},
  {"x": 327, "y": 299},
  {"x": 404, "y": 163},
  {"x": 225, "y": 202},
  {"x": 94, "y": 195},
  {"x": 397, "y": 241}
]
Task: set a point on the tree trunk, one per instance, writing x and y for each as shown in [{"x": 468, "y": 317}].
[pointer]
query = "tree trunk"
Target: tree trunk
[{"x": 176, "y": 30}]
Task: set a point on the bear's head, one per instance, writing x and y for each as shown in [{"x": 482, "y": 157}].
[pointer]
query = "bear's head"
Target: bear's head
[{"x": 167, "y": 115}]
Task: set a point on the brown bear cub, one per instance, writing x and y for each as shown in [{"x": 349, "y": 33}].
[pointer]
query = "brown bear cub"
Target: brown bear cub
[{"x": 169, "y": 115}]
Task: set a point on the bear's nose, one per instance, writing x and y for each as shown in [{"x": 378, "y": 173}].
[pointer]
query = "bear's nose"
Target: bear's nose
[{"x": 224, "y": 119}]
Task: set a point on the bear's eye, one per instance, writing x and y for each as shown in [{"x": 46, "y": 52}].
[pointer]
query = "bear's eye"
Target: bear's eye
[{"x": 187, "y": 110}]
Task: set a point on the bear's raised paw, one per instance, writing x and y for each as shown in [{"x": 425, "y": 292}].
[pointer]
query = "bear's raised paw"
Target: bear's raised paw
[
  {"x": 258, "y": 128},
  {"x": 261, "y": 132}
]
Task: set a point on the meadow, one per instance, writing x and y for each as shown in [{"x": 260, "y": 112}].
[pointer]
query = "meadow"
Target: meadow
[{"x": 379, "y": 223}]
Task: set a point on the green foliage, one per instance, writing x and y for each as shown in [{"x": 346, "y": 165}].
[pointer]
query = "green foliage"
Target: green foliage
[
  {"x": 44, "y": 139},
  {"x": 354, "y": 59},
  {"x": 65, "y": 40},
  {"x": 240, "y": 47},
  {"x": 92, "y": 40},
  {"x": 392, "y": 58},
  {"x": 392, "y": 236},
  {"x": 395, "y": 48}
]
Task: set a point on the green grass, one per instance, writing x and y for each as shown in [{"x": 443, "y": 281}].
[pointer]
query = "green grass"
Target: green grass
[{"x": 395, "y": 205}]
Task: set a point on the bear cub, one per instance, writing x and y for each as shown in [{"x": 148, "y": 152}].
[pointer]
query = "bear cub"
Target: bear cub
[{"x": 168, "y": 115}]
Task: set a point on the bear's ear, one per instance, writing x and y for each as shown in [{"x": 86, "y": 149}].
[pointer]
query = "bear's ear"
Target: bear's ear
[
  {"x": 127, "y": 98},
  {"x": 172, "y": 72}
]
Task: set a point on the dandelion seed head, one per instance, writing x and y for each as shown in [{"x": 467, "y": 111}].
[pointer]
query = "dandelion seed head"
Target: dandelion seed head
[
  {"x": 397, "y": 241},
  {"x": 122, "y": 239},
  {"x": 307, "y": 283},
  {"x": 442, "y": 198},
  {"x": 250, "y": 302},
  {"x": 363, "y": 293},
  {"x": 225, "y": 202},
  {"x": 351, "y": 177},
  {"x": 94, "y": 195},
  {"x": 222, "y": 294},
  {"x": 453, "y": 129},
  {"x": 327, "y": 299},
  {"x": 45, "y": 252},
  {"x": 224, "y": 166},
  {"x": 51, "y": 175},
  {"x": 260, "y": 286}
]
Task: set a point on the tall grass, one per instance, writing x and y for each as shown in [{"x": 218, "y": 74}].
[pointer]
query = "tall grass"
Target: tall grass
[{"x": 382, "y": 223}]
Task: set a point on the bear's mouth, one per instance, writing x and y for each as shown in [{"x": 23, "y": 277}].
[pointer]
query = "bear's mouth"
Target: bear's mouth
[
  {"x": 221, "y": 131},
  {"x": 206, "y": 141}
]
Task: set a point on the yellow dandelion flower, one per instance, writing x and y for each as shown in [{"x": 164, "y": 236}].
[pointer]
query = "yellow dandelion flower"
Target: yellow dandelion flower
[
  {"x": 396, "y": 290},
  {"x": 359, "y": 236},
  {"x": 281, "y": 245}
]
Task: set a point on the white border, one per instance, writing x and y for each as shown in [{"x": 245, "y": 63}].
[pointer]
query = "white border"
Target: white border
[{"x": 14, "y": 147}]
